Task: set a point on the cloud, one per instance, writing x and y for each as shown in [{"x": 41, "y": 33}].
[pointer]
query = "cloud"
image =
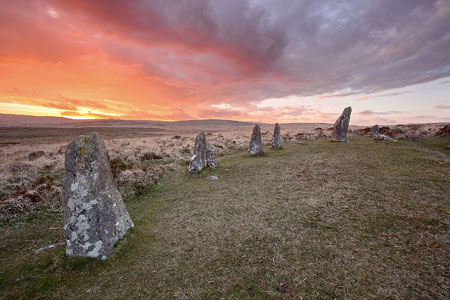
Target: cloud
[
  {"x": 372, "y": 113},
  {"x": 219, "y": 114},
  {"x": 365, "y": 97},
  {"x": 383, "y": 121},
  {"x": 193, "y": 54},
  {"x": 442, "y": 106},
  {"x": 424, "y": 117},
  {"x": 339, "y": 95}
]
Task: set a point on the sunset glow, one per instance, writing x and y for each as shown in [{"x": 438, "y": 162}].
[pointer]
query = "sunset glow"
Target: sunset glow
[{"x": 252, "y": 60}]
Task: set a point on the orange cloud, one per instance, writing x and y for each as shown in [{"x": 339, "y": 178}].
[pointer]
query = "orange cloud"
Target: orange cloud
[{"x": 172, "y": 60}]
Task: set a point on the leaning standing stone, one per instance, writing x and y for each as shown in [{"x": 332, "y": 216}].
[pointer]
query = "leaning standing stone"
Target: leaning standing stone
[
  {"x": 203, "y": 156},
  {"x": 95, "y": 216},
  {"x": 256, "y": 145},
  {"x": 340, "y": 127},
  {"x": 276, "y": 139}
]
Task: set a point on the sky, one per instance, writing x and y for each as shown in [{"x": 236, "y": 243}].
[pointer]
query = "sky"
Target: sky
[{"x": 249, "y": 60}]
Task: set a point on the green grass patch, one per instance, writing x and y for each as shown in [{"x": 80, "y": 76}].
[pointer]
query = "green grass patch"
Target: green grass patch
[{"x": 359, "y": 220}]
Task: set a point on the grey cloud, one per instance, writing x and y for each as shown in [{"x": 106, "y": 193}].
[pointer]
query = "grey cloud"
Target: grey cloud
[
  {"x": 424, "y": 117},
  {"x": 276, "y": 48}
]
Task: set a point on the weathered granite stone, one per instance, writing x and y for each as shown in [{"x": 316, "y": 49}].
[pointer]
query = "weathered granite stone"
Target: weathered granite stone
[
  {"x": 256, "y": 145},
  {"x": 95, "y": 216},
  {"x": 387, "y": 138},
  {"x": 203, "y": 156},
  {"x": 276, "y": 139},
  {"x": 376, "y": 134},
  {"x": 340, "y": 127},
  {"x": 375, "y": 131}
]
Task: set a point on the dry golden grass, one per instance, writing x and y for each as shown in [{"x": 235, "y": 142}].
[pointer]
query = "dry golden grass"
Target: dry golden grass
[{"x": 321, "y": 220}]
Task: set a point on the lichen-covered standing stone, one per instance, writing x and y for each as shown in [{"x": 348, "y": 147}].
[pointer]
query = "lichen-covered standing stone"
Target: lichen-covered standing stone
[
  {"x": 256, "y": 145},
  {"x": 203, "y": 156},
  {"x": 95, "y": 216},
  {"x": 276, "y": 139},
  {"x": 340, "y": 127}
]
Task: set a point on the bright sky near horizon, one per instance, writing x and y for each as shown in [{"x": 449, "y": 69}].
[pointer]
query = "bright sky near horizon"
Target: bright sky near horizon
[{"x": 249, "y": 60}]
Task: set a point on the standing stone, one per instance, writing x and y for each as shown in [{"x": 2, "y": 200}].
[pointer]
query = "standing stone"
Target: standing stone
[
  {"x": 340, "y": 127},
  {"x": 375, "y": 132},
  {"x": 256, "y": 145},
  {"x": 276, "y": 139},
  {"x": 377, "y": 136},
  {"x": 95, "y": 216},
  {"x": 203, "y": 156}
]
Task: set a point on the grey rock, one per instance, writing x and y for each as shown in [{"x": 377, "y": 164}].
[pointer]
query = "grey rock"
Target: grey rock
[
  {"x": 377, "y": 136},
  {"x": 203, "y": 156},
  {"x": 387, "y": 138},
  {"x": 49, "y": 247},
  {"x": 340, "y": 127},
  {"x": 95, "y": 216},
  {"x": 212, "y": 178},
  {"x": 375, "y": 131},
  {"x": 276, "y": 139},
  {"x": 256, "y": 145}
]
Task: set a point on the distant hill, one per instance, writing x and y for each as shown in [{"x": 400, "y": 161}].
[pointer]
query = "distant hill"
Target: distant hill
[{"x": 10, "y": 120}]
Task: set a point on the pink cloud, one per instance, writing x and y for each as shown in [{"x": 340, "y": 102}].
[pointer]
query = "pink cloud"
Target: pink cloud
[
  {"x": 442, "y": 106},
  {"x": 365, "y": 97},
  {"x": 371, "y": 113}
]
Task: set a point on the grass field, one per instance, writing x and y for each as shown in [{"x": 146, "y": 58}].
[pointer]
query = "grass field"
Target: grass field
[{"x": 323, "y": 220}]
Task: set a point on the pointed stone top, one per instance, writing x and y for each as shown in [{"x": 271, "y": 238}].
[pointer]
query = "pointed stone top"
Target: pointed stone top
[
  {"x": 340, "y": 127},
  {"x": 201, "y": 135}
]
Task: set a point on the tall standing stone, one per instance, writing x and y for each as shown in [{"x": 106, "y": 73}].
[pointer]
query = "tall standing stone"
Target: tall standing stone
[
  {"x": 95, "y": 216},
  {"x": 340, "y": 127},
  {"x": 276, "y": 139},
  {"x": 256, "y": 145},
  {"x": 203, "y": 156}
]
